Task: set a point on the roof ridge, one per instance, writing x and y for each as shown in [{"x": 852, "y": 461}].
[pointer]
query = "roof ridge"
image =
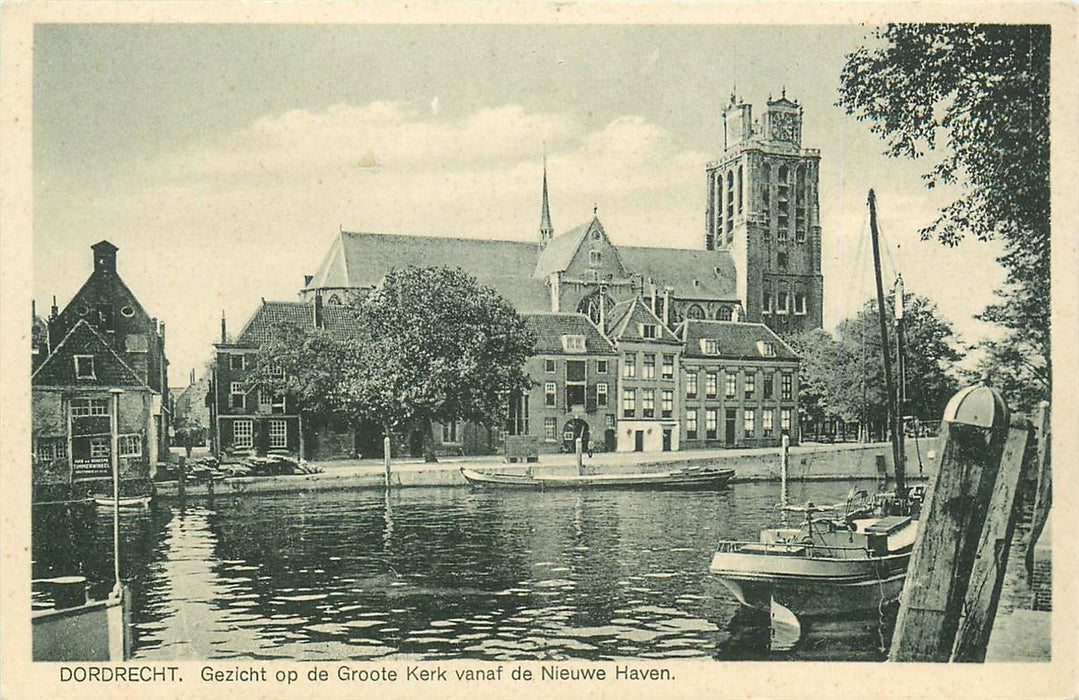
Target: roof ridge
[{"x": 441, "y": 238}]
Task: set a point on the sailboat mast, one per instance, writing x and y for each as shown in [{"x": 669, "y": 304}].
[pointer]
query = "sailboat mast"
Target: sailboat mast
[{"x": 893, "y": 420}]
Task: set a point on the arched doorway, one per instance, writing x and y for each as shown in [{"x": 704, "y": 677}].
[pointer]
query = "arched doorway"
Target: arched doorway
[{"x": 573, "y": 429}]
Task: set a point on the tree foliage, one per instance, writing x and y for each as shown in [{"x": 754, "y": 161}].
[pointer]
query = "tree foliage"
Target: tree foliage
[
  {"x": 428, "y": 345},
  {"x": 843, "y": 376},
  {"x": 977, "y": 98}
]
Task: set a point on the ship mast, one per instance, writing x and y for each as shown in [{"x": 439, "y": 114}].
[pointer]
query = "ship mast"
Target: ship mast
[{"x": 895, "y": 421}]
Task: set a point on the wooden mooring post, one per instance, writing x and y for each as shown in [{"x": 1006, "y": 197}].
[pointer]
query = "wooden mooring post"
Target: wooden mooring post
[
  {"x": 957, "y": 567},
  {"x": 386, "y": 458}
]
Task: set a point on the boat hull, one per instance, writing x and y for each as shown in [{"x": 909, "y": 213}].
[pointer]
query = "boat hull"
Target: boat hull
[
  {"x": 128, "y": 503},
  {"x": 701, "y": 479},
  {"x": 812, "y": 586}
]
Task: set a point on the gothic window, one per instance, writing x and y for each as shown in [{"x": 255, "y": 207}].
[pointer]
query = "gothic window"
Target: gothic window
[
  {"x": 730, "y": 204},
  {"x": 591, "y": 305},
  {"x": 695, "y": 312},
  {"x": 739, "y": 179},
  {"x": 800, "y": 205},
  {"x": 718, "y": 203},
  {"x": 781, "y": 259},
  {"x": 783, "y": 196},
  {"x": 724, "y": 313}
]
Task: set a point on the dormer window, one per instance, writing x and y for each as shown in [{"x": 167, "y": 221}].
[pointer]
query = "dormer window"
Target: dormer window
[
  {"x": 710, "y": 346},
  {"x": 84, "y": 367},
  {"x": 766, "y": 348},
  {"x": 648, "y": 330},
  {"x": 573, "y": 343},
  {"x": 595, "y": 258}
]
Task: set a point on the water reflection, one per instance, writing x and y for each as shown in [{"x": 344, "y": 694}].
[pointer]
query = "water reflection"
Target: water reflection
[{"x": 439, "y": 573}]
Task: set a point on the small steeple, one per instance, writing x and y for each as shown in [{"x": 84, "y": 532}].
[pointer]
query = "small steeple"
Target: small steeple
[{"x": 546, "y": 231}]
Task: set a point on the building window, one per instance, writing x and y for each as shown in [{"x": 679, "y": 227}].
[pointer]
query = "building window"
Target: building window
[
  {"x": 449, "y": 431},
  {"x": 264, "y": 398},
  {"x": 738, "y": 195},
  {"x": 785, "y": 419},
  {"x": 548, "y": 366},
  {"x": 731, "y": 386},
  {"x": 517, "y": 415},
  {"x": 724, "y": 313},
  {"x": 595, "y": 258},
  {"x": 550, "y": 394},
  {"x": 89, "y": 407},
  {"x": 629, "y": 403},
  {"x": 750, "y": 384},
  {"x": 276, "y": 372},
  {"x": 610, "y": 421},
  {"x": 667, "y": 403},
  {"x": 237, "y": 362},
  {"x": 767, "y": 417},
  {"x": 550, "y": 429},
  {"x": 691, "y": 424},
  {"x": 710, "y": 346},
  {"x": 278, "y": 404},
  {"x": 799, "y": 303},
  {"x": 648, "y": 330},
  {"x": 629, "y": 366},
  {"x": 766, "y": 348},
  {"x": 575, "y": 382},
  {"x": 279, "y": 434},
  {"x": 99, "y": 447},
  {"x": 711, "y": 385},
  {"x": 243, "y": 432},
  {"x": 691, "y": 385},
  {"x": 51, "y": 448},
  {"x": 601, "y": 366},
  {"x": 781, "y": 303},
  {"x": 769, "y": 385},
  {"x": 695, "y": 312},
  {"x": 711, "y": 421},
  {"x": 787, "y": 386},
  {"x": 237, "y": 395},
  {"x": 648, "y": 403},
  {"x": 748, "y": 418},
  {"x": 129, "y": 445},
  {"x": 84, "y": 367},
  {"x": 766, "y": 302},
  {"x": 601, "y": 394},
  {"x": 573, "y": 343},
  {"x": 668, "y": 367},
  {"x": 649, "y": 367},
  {"x": 781, "y": 259}
]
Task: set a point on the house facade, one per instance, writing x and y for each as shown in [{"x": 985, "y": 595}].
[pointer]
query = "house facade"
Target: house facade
[
  {"x": 739, "y": 385},
  {"x": 99, "y": 386}
]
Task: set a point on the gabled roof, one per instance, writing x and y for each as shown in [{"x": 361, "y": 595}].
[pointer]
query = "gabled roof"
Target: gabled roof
[
  {"x": 630, "y": 316},
  {"x": 550, "y": 327},
  {"x": 737, "y": 341},
  {"x": 691, "y": 274},
  {"x": 110, "y": 370},
  {"x": 361, "y": 260},
  {"x": 338, "y": 321},
  {"x": 559, "y": 253}
]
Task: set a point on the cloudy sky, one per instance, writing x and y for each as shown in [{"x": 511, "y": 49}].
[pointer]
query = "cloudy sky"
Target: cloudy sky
[{"x": 222, "y": 160}]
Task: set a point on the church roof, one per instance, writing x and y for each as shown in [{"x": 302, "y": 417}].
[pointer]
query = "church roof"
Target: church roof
[
  {"x": 737, "y": 340},
  {"x": 692, "y": 274},
  {"x": 550, "y": 327},
  {"x": 559, "y": 253}
]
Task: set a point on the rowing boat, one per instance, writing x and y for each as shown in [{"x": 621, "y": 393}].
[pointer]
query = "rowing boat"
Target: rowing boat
[{"x": 702, "y": 478}]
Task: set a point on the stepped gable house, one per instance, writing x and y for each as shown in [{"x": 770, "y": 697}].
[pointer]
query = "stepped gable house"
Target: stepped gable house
[
  {"x": 101, "y": 346},
  {"x": 757, "y": 272}
]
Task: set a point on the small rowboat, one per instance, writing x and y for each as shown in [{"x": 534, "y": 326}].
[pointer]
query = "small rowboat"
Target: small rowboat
[
  {"x": 125, "y": 501},
  {"x": 691, "y": 478}
]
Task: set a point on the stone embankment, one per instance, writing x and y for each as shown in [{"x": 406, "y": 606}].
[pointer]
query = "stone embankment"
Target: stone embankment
[{"x": 807, "y": 462}]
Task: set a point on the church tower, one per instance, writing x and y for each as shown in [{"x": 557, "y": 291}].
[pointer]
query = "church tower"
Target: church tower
[
  {"x": 546, "y": 231},
  {"x": 763, "y": 210}
]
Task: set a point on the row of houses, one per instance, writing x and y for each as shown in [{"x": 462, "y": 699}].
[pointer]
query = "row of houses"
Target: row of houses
[{"x": 633, "y": 385}]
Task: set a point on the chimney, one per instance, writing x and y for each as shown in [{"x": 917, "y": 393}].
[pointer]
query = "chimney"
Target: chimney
[
  {"x": 603, "y": 309},
  {"x": 666, "y": 306},
  {"x": 556, "y": 291},
  {"x": 104, "y": 258},
  {"x": 161, "y": 333},
  {"x": 653, "y": 286},
  {"x": 735, "y": 314},
  {"x": 307, "y": 280},
  {"x": 54, "y": 312},
  {"x": 224, "y": 335},
  {"x": 192, "y": 376},
  {"x": 319, "y": 320},
  {"x": 33, "y": 309}
]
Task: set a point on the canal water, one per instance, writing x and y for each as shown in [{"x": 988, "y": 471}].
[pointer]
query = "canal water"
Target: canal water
[{"x": 441, "y": 573}]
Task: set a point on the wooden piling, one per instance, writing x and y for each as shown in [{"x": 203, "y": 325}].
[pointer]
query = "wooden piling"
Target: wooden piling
[
  {"x": 181, "y": 483},
  {"x": 580, "y": 460},
  {"x": 987, "y": 577},
  {"x": 386, "y": 459},
  {"x": 952, "y": 522}
]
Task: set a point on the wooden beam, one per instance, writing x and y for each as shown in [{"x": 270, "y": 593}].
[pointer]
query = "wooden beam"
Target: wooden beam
[
  {"x": 942, "y": 559},
  {"x": 980, "y": 605},
  {"x": 1043, "y": 496}
]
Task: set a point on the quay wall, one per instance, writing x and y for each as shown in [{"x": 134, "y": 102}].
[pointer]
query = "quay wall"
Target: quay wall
[{"x": 807, "y": 462}]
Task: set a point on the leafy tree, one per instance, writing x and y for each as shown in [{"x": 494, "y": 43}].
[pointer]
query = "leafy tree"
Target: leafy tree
[
  {"x": 817, "y": 378},
  {"x": 977, "y": 97},
  {"x": 437, "y": 346},
  {"x": 428, "y": 345}
]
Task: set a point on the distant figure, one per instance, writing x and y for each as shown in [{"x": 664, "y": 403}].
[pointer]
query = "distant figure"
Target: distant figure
[{"x": 591, "y": 448}]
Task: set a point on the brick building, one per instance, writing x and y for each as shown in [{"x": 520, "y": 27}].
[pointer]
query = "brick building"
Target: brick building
[
  {"x": 99, "y": 367},
  {"x": 740, "y": 385}
]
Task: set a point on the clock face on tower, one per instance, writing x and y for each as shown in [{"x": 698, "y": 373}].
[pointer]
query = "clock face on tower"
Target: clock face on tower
[{"x": 783, "y": 127}]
